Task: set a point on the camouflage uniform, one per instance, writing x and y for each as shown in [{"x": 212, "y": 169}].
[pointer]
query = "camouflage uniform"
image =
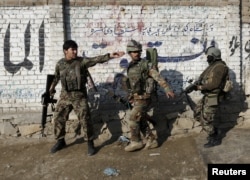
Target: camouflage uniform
[
  {"x": 72, "y": 71},
  {"x": 142, "y": 75},
  {"x": 73, "y": 76},
  {"x": 139, "y": 73},
  {"x": 211, "y": 82}
]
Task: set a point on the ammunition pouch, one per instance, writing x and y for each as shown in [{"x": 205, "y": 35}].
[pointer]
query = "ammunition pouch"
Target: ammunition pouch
[
  {"x": 72, "y": 79},
  {"x": 228, "y": 86},
  {"x": 63, "y": 82},
  {"x": 72, "y": 84},
  {"x": 150, "y": 85},
  {"x": 211, "y": 99}
]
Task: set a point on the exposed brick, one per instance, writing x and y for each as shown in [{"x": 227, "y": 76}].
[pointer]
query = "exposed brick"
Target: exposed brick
[
  {"x": 246, "y": 19},
  {"x": 55, "y": 2}
]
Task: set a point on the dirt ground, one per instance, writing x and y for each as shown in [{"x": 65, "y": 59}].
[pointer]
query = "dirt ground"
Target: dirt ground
[
  {"x": 177, "y": 158},
  {"x": 30, "y": 159}
]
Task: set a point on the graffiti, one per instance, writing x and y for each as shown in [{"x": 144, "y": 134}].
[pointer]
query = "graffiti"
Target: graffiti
[
  {"x": 124, "y": 62},
  {"x": 101, "y": 45},
  {"x": 116, "y": 31},
  {"x": 247, "y": 48},
  {"x": 20, "y": 93},
  {"x": 156, "y": 44},
  {"x": 27, "y": 64},
  {"x": 162, "y": 30},
  {"x": 41, "y": 47},
  {"x": 233, "y": 45},
  {"x": 9, "y": 66},
  {"x": 183, "y": 58},
  {"x": 194, "y": 40}
]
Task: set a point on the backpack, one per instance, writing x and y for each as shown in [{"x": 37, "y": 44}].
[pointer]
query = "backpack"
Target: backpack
[
  {"x": 228, "y": 83},
  {"x": 152, "y": 61},
  {"x": 152, "y": 57}
]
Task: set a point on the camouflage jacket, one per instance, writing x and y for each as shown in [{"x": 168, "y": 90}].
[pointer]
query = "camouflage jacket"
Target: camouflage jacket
[
  {"x": 73, "y": 73},
  {"x": 214, "y": 76},
  {"x": 141, "y": 75}
]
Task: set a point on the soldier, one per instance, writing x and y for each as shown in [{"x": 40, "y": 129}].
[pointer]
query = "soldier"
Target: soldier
[
  {"x": 140, "y": 72},
  {"x": 72, "y": 72},
  {"x": 211, "y": 83}
]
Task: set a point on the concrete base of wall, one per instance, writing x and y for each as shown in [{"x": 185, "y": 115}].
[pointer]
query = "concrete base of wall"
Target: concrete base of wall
[{"x": 171, "y": 120}]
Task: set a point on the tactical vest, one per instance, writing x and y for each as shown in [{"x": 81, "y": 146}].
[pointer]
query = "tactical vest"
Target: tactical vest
[
  {"x": 208, "y": 72},
  {"x": 72, "y": 75},
  {"x": 138, "y": 79}
]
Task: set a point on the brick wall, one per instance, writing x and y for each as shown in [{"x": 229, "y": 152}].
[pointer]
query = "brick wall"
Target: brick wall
[{"x": 32, "y": 33}]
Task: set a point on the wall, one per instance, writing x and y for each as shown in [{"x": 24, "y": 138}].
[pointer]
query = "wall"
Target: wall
[{"x": 32, "y": 34}]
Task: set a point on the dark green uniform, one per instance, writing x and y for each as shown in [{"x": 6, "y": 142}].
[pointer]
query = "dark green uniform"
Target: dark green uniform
[{"x": 212, "y": 80}]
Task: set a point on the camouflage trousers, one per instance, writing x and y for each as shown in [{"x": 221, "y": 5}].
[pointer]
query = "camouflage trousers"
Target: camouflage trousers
[
  {"x": 138, "y": 122},
  {"x": 206, "y": 112},
  {"x": 72, "y": 101}
]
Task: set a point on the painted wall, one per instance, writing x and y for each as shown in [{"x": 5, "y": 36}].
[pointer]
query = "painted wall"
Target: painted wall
[{"x": 31, "y": 39}]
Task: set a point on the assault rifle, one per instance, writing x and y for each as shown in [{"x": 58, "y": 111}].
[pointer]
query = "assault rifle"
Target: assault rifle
[
  {"x": 192, "y": 87},
  {"x": 46, "y": 100}
]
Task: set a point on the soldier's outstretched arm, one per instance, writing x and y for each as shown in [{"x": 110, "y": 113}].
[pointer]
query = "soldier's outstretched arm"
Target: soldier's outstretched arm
[
  {"x": 161, "y": 81},
  {"x": 92, "y": 61}
]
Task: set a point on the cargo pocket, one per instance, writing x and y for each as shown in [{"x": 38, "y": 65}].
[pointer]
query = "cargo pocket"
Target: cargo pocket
[{"x": 211, "y": 99}]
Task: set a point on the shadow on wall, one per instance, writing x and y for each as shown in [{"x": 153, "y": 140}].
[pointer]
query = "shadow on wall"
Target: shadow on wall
[
  {"x": 182, "y": 107},
  {"x": 110, "y": 115},
  {"x": 166, "y": 110},
  {"x": 107, "y": 114},
  {"x": 232, "y": 105}
]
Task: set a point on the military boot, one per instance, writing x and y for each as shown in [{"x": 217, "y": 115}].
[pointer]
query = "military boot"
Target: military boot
[
  {"x": 151, "y": 143},
  {"x": 91, "y": 148},
  {"x": 135, "y": 140},
  {"x": 211, "y": 136},
  {"x": 151, "y": 140},
  {"x": 215, "y": 140},
  {"x": 134, "y": 145},
  {"x": 212, "y": 142},
  {"x": 58, "y": 146}
]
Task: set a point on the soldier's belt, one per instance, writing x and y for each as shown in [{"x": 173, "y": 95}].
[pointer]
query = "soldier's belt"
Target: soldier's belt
[{"x": 143, "y": 96}]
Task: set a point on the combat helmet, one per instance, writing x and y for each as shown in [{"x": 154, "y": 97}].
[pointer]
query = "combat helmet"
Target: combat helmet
[
  {"x": 213, "y": 51},
  {"x": 133, "y": 46}
]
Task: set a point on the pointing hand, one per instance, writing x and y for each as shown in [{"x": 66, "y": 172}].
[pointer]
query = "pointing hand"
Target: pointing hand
[{"x": 117, "y": 54}]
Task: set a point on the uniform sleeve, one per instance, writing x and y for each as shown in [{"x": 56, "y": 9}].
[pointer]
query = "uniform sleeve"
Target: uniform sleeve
[
  {"x": 57, "y": 76},
  {"x": 89, "y": 62},
  {"x": 160, "y": 80},
  {"x": 215, "y": 78}
]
